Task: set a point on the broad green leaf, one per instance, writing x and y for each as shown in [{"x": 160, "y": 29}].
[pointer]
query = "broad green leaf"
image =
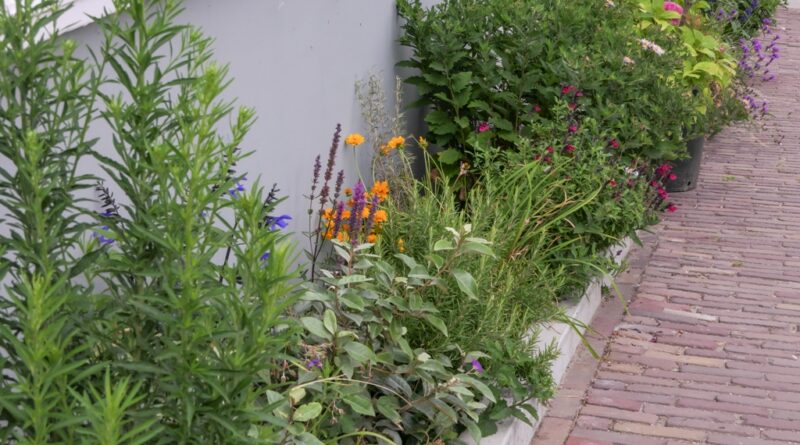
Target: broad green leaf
[
  {"x": 466, "y": 283},
  {"x": 436, "y": 322},
  {"x": 316, "y": 327},
  {"x": 329, "y": 321},
  {"x": 388, "y": 407},
  {"x": 449, "y": 156},
  {"x": 359, "y": 352},
  {"x": 306, "y": 412},
  {"x": 443, "y": 244},
  {"x": 360, "y": 404}
]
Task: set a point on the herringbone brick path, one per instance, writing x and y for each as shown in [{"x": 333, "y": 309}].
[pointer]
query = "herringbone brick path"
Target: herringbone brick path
[{"x": 710, "y": 351}]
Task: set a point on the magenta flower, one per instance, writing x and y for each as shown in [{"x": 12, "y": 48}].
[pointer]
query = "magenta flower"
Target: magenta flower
[
  {"x": 484, "y": 127},
  {"x": 612, "y": 183},
  {"x": 614, "y": 143},
  {"x": 476, "y": 365},
  {"x": 537, "y": 109},
  {"x": 573, "y": 128},
  {"x": 672, "y": 208},
  {"x": 569, "y": 148},
  {"x": 671, "y": 6}
]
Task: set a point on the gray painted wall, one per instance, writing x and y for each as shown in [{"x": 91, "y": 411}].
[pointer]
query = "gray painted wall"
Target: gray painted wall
[{"x": 296, "y": 63}]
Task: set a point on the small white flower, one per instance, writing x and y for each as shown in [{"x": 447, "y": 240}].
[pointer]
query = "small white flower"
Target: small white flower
[
  {"x": 610, "y": 4},
  {"x": 628, "y": 61},
  {"x": 646, "y": 44}
]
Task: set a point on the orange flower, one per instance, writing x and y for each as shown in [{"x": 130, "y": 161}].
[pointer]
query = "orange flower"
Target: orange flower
[
  {"x": 348, "y": 191},
  {"x": 396, "y": 142},
  {"x": 345, "y": 214},
  {"x": 365, "y": 213},
  {"x": 381, "y": 216},
  {"x": 385, "y": 149},
  {"x": 354, "y": 139},
  {"x": 371, "y": 238},
  {"x": 327, "y": 213},
  {"x": 381, "y": 188}
]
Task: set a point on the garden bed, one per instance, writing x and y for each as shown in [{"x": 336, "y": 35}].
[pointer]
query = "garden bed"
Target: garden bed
[{"x": 566, "y": 339}]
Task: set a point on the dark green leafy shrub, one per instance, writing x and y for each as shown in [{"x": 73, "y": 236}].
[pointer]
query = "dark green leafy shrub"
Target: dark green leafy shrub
[
  {"x": 487, "y": 66},
  {"x": 362, "y": 376}
]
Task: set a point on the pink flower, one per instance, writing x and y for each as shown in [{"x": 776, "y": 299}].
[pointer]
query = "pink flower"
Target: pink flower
[
  {"x": 612, "y": 183},
  {"x": 663, "y": 170},
  {"x": 672, "y": 208},
  {"x": 614, "y": 143},
  {"x": 654, "y": 183},
  {"x": 573, "y": 128},
  {"x": 572, "y": 105},
  {"x": 673, "y": 176},
  {"x": 536, "y": 157},
  {"x": 484, "y": 127},
  {"x": 550, "y": 149},
  {"x": 569, "y": 148},
  {"x": 567, "y": 89},
  {"x": 547, "y": 159},
  {"x": 663, "y": 193},
  {"x": 537, "y": 109},
  {"x": 671, "y": 6}
]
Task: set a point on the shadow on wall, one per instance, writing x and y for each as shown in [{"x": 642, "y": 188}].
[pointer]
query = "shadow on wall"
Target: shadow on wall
[{"x": 296, "y": 63}]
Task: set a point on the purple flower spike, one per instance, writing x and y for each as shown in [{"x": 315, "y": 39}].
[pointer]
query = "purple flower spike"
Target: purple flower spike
[
  {"x": 315, "y": 363},
  {"x": 359, "y": 203},
  {"x": 265, "y": 256}
]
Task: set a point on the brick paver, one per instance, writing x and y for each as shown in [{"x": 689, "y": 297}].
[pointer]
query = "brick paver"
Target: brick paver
[{"x": 709, "y": 352}]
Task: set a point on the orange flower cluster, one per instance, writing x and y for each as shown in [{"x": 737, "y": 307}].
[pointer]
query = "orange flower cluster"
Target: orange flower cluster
[{"x": 330, "y": 216}]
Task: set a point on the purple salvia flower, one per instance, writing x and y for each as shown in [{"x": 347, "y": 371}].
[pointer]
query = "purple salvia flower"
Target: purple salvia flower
[
  {"x": 359, "y": 202},
  {"x": 315, "y": 363},
  {"x": 339, "y": 183},
  {"x": 373, "y": 208},
  {"x": 337, "y": 218},
  {"x": 317, "y": 170},
  {"x": 326, "y": 189},
  {"x": 265, "y": 256}
]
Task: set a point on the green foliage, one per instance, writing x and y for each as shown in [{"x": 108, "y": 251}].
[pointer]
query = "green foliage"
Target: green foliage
[
  {"x": 497, "y": 62},
  {"x": 46, "y": 100},
  {"x": 203, "y": 336},
  {"x": 363, "y": 376}
]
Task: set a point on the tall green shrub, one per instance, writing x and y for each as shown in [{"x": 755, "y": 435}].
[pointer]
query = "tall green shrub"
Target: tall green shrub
[
  {"x": 196, "y": 275},
  {"x": 46, "y": 101}
]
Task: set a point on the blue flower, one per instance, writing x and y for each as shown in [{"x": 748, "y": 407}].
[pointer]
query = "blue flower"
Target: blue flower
[
  {"x": 281, "y": 221},
  {"x": 265, "y": 256},
  {"x": 316, "y": 363},
  {"x": 102, "y": 239}
]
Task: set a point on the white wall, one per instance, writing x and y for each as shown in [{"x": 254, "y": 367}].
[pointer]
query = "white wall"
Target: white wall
[{"x": 296, "y": 62}]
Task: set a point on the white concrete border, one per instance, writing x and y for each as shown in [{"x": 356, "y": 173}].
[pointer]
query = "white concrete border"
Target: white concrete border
[{"x": 566, "y": 339}]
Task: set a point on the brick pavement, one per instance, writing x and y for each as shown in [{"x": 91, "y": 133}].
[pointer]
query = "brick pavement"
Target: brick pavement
[{"x": 709, "y": 352}]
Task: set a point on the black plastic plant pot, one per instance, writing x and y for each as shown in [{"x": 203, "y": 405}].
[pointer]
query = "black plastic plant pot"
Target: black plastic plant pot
[{"x": 687, "y": 170}]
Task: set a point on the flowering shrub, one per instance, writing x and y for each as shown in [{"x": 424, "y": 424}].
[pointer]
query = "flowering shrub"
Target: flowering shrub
[
  {"x": 486, "y": 80},
  {"x": 361, "y": 374}
]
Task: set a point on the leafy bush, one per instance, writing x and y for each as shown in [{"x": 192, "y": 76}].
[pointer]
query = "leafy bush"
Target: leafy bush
[
  {"x": 179, "y": 294},
  {"x": 362, "y": 375},
  {"x": 490, "y": 65}
]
